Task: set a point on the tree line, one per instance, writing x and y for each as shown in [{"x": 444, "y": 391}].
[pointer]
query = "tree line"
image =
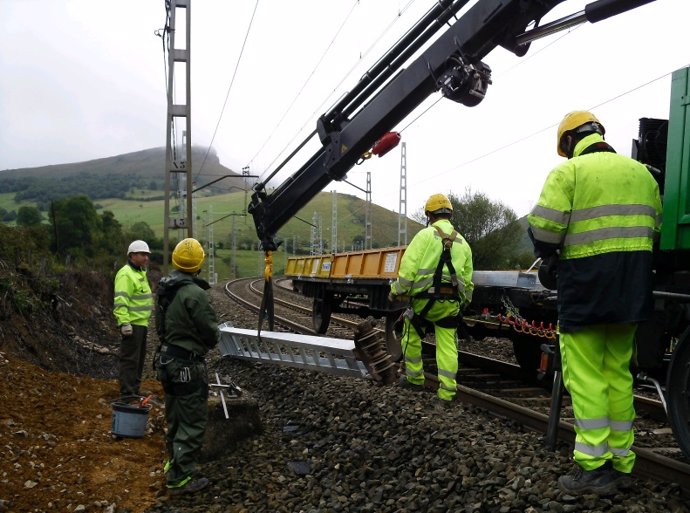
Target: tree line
[
  {"x": 76, "y": 231},
  {"x": 43, "y": 190}
]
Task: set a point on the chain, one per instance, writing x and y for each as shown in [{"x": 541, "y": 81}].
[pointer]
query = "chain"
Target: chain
[{"x": 521, "y": 325}]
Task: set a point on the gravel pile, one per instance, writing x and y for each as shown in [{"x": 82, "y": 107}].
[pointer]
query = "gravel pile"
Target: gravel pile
[{"x": 332, "y": 444}]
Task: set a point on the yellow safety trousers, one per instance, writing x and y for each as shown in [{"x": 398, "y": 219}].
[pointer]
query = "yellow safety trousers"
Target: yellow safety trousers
[
  {"x": 596, "y": 373},
  {"x": 446, "y": 347}
]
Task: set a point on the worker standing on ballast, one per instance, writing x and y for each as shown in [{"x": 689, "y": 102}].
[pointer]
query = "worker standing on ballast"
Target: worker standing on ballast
[
  {"x": 436, "y": 273},
  {"x": 132, "y": 308},
  {"x": 595, "y": 224},
  {"x": 187, "y": 328}
]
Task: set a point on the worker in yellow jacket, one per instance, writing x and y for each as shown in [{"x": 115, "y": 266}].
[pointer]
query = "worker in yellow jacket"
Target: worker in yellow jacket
[
  {"x": 132, "y": 307},
  {"x": 436, "y": 273},
  {"x": 595, "y": 221}
]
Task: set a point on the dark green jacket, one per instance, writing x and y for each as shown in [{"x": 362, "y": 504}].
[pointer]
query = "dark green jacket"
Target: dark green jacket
[{"x": 190, "y": 321}]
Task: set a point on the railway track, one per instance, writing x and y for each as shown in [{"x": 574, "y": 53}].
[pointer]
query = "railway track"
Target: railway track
[{"x": 494, "y": 385}]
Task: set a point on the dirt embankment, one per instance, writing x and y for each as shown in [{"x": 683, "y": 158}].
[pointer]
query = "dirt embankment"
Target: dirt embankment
[{"x": 58, "y": 368}]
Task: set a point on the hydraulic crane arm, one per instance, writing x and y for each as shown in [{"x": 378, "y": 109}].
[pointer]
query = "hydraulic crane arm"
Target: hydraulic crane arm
[{"x": 387, "y": 93}]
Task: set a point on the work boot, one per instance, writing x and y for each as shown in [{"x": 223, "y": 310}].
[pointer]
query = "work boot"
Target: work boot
[
  {"x": 622, "y": 479},
  {"x": 442, "y": 405},
  {"x": 403, "y": 382},
  {"x": 188, "y": 485},
  {"x": 601, "y": 481}
]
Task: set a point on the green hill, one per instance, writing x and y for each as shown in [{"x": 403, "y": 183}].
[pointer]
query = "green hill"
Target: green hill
[
  {"x": 132, "y": 187},
  {"x": 137, "y": 175}
]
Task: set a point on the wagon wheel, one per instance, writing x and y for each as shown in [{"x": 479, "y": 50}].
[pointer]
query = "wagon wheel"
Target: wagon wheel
[
  {"x": 321, "y": 314},
  {"x": 678, "y": 391},
  {"x": 527, "y": 351},
  {"x": 393, "y": 335}
]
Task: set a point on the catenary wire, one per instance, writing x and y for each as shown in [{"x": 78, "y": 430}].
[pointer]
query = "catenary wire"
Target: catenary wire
[
  {"x": 302, "y": 88},
  {"x": 551, "y": 126},
  {"x": 526, "y": 137},
  {"x": 345, "y": 76},
  {"x": 227, "y": 94}
]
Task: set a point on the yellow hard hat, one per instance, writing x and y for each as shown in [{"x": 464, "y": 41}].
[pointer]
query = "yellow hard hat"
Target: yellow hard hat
[
  {"x": 188, "y": 256},
  {"x": 438, "y": 204},
  {"x": 574, "y": 120}
]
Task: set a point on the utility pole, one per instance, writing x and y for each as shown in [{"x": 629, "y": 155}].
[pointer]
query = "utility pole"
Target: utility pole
[
  {"x": 334, "y": 221},
  {"x": 367, "y": 215},
  {"x": 233, "y": 264},
  {"x": 234, "y": 246},
  {"x": 178, "y": 165},
  {"x": 245, "y": 177},
  {"x": 402, "y": 206},
  {"x": 212, "y": 276},
  {"x": 315, "y": 241}
]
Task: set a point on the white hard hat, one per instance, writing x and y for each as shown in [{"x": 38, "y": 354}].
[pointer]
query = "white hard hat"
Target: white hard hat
[{"x": 138, "y": 246}]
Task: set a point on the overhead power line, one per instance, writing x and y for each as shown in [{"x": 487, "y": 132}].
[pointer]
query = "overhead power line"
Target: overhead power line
[
  {"x": 347, "y": 74},
  {"x": 227, "y": 95}
]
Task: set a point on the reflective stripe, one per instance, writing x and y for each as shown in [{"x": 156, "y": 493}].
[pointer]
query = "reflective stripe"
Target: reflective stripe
[
  {"x": 612, "y": 210},
  {"x": 143, "y": 308},
  {"x": 423, "y": 284},
  {"x": 620, "y": 452},
  {"x": 446, "y": 387},
  {"x": 599, "y": 423},
  {"x": 136, "y": 297},
  {"x": 592, "y": 450},
  {"x": 546, "y": 236},
  {"x": 621, "y": 425},
  {"x": 413, "y": 359},
  {"x": 404, "y": 282},
  {"x": 551, "y": 214},
  {"x": 426, "y": 271},
  {"x": 413, "y": 374},
  {"x": 448, "y": 374},
  {"x": 620, "y": 232}
]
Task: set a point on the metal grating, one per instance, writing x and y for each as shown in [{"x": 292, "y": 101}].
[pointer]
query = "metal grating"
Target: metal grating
[{"x": 323, "y": 354}]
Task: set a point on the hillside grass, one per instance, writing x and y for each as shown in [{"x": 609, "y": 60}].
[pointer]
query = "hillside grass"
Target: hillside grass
[{"x": 217, "y": 217}]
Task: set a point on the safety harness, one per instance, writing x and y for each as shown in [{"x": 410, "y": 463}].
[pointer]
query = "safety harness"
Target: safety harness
[{"x": 440, "y": 290}]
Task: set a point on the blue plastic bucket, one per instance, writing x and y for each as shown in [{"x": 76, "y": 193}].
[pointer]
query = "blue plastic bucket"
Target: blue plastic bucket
[{"x": 129, "y": 420}]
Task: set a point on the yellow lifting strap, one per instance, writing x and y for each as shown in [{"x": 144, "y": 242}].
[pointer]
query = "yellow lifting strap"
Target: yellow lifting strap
[
  {"x": 266, "y": 309},
  {"x": 268, "y": 265}
]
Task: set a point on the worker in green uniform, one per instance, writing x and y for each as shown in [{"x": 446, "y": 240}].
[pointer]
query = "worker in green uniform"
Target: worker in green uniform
[
  {"x": 132, "y": 307},
  {"x": 187, "y": 326},
  {"x": 595, "y": 223},
  {"x": 436, "y": 273}
]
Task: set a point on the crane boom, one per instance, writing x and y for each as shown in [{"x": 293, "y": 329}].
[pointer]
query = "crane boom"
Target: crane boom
[{"x": 387, "y": 93}]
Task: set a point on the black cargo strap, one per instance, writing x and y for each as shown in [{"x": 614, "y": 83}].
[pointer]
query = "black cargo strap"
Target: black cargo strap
[
  {"x": 597, "y": 148},
  {"x": 179, "y": 352}
]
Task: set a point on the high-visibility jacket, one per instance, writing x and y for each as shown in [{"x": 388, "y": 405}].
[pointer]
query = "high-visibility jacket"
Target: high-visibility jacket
[
  {"x": 133, "y": 301},
  {"x": 421, "y": 258},
  {"x": 602, "y": 211}
]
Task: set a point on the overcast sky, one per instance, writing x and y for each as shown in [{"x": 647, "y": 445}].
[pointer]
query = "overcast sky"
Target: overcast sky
[{"x": 85, "y": 79}]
